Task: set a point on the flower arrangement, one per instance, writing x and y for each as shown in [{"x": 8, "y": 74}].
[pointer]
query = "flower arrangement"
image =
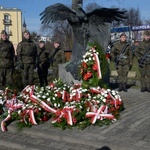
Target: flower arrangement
[{"x": 65, "y": 106}]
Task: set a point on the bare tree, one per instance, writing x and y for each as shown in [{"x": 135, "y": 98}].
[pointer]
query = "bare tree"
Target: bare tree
[
  {"x": 147, "y": 21},
  {"x": 134, "y": 17},
  {"x": 61, "y": 31}
]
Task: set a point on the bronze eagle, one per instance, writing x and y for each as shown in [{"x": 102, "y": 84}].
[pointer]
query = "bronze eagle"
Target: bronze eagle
[{"x": 87, "y": 26}]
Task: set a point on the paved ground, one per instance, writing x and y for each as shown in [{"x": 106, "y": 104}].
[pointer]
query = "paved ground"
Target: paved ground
[{"x": 131, "y": 132}]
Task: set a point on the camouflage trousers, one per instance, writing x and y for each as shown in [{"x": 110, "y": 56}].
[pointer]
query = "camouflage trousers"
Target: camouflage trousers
[
  {"x": 145, "y": 75},
  {"x": 122, "y": 71},
  {"x": 28, "y": 74},
  {"x": 6, "y": 76}
]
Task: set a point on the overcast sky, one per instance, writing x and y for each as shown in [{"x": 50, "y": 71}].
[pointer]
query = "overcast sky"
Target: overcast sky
[{"x": 32, "y": 8}]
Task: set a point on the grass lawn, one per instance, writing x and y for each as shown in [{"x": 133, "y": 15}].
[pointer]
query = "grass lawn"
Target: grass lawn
[{"x": 135, "y": 68}]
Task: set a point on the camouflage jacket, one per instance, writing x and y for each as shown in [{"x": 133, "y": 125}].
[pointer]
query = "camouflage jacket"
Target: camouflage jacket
[
  {"x": 42, "y": 55},
  {"x": 140, "y": 51},
  {"x": 59, "y": 57},
  {"x": 27, "y": 52},
  {"x": 7, "y": 54},
  {"x": 127, "y": 55}
]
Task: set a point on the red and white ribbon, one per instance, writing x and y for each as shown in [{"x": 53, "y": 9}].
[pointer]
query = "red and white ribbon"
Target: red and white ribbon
[
  {"x": 99, "y": 115},
  {"x": 97, "y": 62},
  {"x": 65, "y": 113}
]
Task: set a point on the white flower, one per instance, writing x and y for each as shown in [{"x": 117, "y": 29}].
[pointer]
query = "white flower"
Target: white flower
[
  {"x": 19, "y": 111},
  {"x": 116, "y": 96},
  {"x": 58, "y": 105},
  {"x": 31, "y": 106},
  {"x": 48, "y": 99},
  {"x": 23, "y": 107},
  {"x": 39, "y": 108},
  {"x": 55, "y": 104},
  {"x": 43, "y": 96},
  {"x": 84, "y": 56},
  {"x": 90, "y": 59},
  {"x": 104, "y": 100},
  {"x": 47, "y": 94},
  {"x": 108, "y": 90},
  {"x": 80, "y": 106},
  {"x": 27, "y": 105},
  {"x": 38, "y": 96},
  {"x": 54, "y": 98},
  {"x": 105, "y": 95},
  {"x": 55, "y": 95}
]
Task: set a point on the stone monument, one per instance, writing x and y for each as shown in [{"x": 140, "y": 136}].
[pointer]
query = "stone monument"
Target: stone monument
[{"x": 87, "y": 27}]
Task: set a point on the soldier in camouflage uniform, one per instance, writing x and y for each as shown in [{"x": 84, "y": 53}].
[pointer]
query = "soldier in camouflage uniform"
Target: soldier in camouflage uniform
[
  {"x": 7, "y": 57},
  {"x": 26, "y": 53},
  {"x": 57, "y": 57},
  {"x": 121, "y": 53},
  {"x": 42, "y": 63},
  {"x": 142, "y": 53}
]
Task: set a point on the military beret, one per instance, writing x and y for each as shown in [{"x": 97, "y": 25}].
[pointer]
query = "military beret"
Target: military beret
[
  {"x": 147, "y": 32},
  {"x": 26, "y": 31},
  {"x": 4, "y": 32},
  {"x": 123, "y": 34}
]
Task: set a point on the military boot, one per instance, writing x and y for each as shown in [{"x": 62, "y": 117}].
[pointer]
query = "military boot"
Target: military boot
[{"x": 143, "y": 89}]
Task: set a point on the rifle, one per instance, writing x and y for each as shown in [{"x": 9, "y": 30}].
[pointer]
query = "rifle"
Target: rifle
[
  {"x": 141, "y": 61},
  {"x": 121, "y": 56}
]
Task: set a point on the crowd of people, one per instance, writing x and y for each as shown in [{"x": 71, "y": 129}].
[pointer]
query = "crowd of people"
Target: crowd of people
[
  {"x": 122, "y": 54},
  {"x": 31, "y": 56}
]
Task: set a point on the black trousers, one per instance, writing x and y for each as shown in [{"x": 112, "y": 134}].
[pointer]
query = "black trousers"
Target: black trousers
[{"x": 43, "y": 73}]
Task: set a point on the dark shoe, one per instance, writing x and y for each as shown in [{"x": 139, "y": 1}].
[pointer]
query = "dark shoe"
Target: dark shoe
[{"x": 143, "y": 89}]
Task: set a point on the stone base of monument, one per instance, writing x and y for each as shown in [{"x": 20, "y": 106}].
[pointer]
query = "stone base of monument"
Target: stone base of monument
[{"x": 65, "y": 76}]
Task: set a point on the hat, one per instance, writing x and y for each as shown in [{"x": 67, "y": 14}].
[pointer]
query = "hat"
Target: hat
[
  {"x": 26, "y": 31},
  {"x": 4, "y": 32},
  {"x": 147, "y": 32},
  {"x": 123, "y": 34}
]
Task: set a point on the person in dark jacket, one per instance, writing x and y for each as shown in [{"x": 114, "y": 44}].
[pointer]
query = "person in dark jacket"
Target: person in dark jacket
[
  {"x": 142, "y": 53},
  {"x": 57, "y": 57},
  {"x": 7, "y": 58},
  {"x": 42, "y": 63},
  {"x": 121, "y": 53},
  {"x": 26, "y": 53}
]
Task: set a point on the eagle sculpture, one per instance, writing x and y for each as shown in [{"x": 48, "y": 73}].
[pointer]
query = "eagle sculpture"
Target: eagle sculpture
[{"x": 87, "y": 27}]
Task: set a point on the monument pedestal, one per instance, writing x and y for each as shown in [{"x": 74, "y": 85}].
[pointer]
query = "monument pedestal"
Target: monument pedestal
[{"x": 65, "y": 76}]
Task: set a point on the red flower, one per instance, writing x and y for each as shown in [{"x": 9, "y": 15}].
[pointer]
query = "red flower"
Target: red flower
[
  {"x": 87, "y": 76},
  {"x": 59, "y": 95},
  {"x": 94, "y": 67},
  {"x": 74, "y": 120},
  {"x": 84, "y": 65}
]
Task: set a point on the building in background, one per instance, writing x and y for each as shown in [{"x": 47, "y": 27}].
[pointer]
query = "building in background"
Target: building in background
[
  {"x": 24, "y": 26},
  {"x": 134, "y": 33},
  {"x": 11, "y": 22}
]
